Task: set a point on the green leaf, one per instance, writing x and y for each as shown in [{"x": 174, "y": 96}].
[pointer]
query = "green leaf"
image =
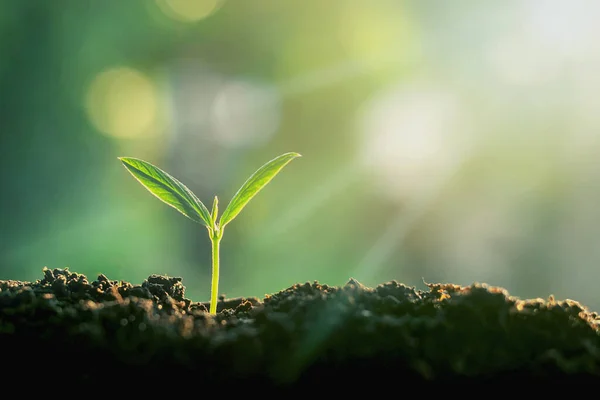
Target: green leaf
[
  {"x": 253, "y": 185},
  {"x": 168, "y": 189}
]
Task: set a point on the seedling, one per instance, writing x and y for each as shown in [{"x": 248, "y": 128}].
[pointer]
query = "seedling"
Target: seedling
[{"x": 177, "y": 195}]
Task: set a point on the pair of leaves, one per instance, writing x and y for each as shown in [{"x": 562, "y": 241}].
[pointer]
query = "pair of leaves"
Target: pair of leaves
[{"x": 174, "y": 193}]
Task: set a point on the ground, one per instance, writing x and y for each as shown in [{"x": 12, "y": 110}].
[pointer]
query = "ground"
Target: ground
[{"x": 309, "y": 334}]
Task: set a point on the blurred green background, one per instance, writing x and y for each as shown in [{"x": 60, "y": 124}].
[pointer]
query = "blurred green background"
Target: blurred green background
[{"x": 445, "y": 141}]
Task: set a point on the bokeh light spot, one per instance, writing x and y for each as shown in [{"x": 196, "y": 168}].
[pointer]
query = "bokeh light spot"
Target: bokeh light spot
[
  {"x": 412, "y": 135},
  {"x": 245, "y": 114},
  {"x": 376, "y": 35},
  {"x": 188, "y": 10},
  {"x": 122, "y": 102}
]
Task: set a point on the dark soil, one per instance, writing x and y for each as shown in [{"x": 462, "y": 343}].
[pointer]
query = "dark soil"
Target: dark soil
[{"x": 64, "y": 328}]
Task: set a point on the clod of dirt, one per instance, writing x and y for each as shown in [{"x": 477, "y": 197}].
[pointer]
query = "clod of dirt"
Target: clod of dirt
[{"x": 304, "y": 335}]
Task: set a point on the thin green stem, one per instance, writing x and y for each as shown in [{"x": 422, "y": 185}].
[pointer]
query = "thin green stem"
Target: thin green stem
[{"x": 214, "y": 288}]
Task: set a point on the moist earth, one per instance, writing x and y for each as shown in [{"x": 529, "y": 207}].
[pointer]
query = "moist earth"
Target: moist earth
[{"x": 308, "y": 334}]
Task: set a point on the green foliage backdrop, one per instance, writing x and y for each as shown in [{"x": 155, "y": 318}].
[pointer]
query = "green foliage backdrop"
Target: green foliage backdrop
[{"x": 444, "y": 141}]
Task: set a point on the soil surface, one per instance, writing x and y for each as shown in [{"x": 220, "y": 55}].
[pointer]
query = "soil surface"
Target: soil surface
[{"x": 64, "y": 328}]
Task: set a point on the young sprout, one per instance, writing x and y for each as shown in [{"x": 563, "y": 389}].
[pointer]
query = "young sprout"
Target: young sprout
[{"x": 177, "y": 195}]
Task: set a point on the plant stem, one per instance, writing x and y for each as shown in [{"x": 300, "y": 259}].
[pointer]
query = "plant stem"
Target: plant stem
[{"x": 214, "y": 288}]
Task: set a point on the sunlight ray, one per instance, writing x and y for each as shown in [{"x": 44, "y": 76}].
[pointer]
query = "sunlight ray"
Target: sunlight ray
[
  {"x": 308, "y": 204},
  {"x": 400, "y": 226}
]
